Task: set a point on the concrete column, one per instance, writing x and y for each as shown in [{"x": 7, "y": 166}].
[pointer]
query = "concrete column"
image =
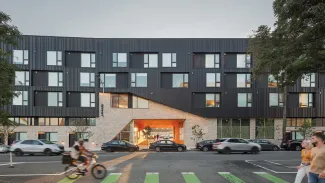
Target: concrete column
[
  {"x": 278, "y": 129},
  {"x": 252, "y": 127},
  {"x": 176, "y": 135},
  {"x": 132, "y": 140}
]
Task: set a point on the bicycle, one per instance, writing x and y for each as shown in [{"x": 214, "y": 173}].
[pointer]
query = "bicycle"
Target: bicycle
[{"x": 74, "y": 170}]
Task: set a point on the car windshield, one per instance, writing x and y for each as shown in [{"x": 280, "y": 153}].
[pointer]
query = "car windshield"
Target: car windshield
[{"x": 46, "y": 142}]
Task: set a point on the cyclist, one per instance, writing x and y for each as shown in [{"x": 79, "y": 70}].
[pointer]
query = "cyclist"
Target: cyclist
[{"x": 80, "y": 153}]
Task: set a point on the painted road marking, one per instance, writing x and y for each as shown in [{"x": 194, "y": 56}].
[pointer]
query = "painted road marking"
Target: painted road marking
[
  {"x": 270, "y": 177},
  {"x": 112, "y": 178},
  {"x": 190, "y": 177},
  {"x": 249, "y": 161},
  {"x": 230, "y": 177},
  {"x": 279, "y": 164},
  {"x": 152, "y": 177}
]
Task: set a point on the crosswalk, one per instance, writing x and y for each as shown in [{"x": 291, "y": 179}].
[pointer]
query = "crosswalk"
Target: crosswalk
[{"x": 189, "y": 177}]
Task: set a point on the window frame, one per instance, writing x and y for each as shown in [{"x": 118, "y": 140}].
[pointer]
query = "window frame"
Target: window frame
[
  {"x": 103, "y": 79},
  {"x": 310, "y": 100},
  {"x": 91, "y": 76},
  {"x": 26, "y": 79},
  {"x": 217, "y": 104},
  {"x": 216, "y": 63},
  {"x": 263, "y": 127},
  {"x": 147, "y": 61},
  {"x": 247, "y": 101},
  {"x": 172, "y": 61},
  {"x": 279, "y": 99},
  {"x": 24, "y": 102},
  {"x": 309, "y": 80},
  {"x": 247, "y": 62},
  {"x": 92, "y": 60},
  {"x": 59, "y": 102},
  {"x": 92, "y": 99},
  {"x": 58, "y": 58},
  {"x": 24, "y": 56},
  {"x": 134, "y": 83},
  {"x": 185, "y": 84},
  {"x": 135, "y": 102},
  {"x": 270, "y": 83},
  {"x": 118, "y": 96},
  {"x": 59, "y": 81},
  {"x": 248, "y": 81},
  {"x": 116, "y": 60},
  {"x": 217, "y": 80}
]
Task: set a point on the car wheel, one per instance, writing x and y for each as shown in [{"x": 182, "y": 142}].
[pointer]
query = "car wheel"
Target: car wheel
[
  {"x": 226, "y": 150},
  {"x": 108, "y": 150},
  {"x": 47, "y": 152},
  {"x": 255, "y": 150},
  {"x": 157, "y": 149},
  {"x": 18, "y": 152},
  {"x": 205, "y": 149},
  {"x": 298, "y": 148},
  {"x": 180, "y": 149},
  {"x": 275, "y": 148}
]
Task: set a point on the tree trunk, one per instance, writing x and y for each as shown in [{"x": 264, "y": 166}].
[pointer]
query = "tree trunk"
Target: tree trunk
[
  {"x": 284, "y": 115},
  {"x": 5, "y": 137}
]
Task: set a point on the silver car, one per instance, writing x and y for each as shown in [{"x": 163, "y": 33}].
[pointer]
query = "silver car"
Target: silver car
[
  {"x": 229, "y": 145},
  {"x": 36, "y": 147},
  {"x": 4, "y": 148}
]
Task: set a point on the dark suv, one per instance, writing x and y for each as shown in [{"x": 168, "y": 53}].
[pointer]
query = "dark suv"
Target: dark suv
[{"x": 292, "y": 145}]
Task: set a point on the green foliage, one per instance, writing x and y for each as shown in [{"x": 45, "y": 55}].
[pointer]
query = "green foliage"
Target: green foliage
[
  {"x": 147, "y": 132},
  {"x": 306, "y": 129},
  {"x": 197, "y": 133}
]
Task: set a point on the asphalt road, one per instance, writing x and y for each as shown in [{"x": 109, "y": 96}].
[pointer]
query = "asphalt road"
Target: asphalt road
[{"x": 163, "y": 167}]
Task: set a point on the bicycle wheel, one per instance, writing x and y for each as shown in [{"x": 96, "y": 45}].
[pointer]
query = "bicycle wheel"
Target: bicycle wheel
[
  {"x": 71, "y": 171},
  {"x": 99, "y": 171}
]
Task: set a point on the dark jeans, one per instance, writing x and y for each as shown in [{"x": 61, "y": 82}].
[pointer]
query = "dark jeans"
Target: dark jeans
[
  {"x": 83, "y": 159},
  {"x": 314, "y": 178}
]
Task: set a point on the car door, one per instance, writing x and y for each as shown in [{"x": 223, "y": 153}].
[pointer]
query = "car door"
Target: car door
[
  {"x": 26, "y": 146},
  {"x": 114, "y": 145},
  {"x": 244, "y": 145},
  {"x": 162, "y": 144},
  {"x": 37, "y": 146},
  {"x": 123, "y": 146},
  {"x": 170, "y": 145},
  {"x": 235, "y": 145},
  {"x": 266, "y": 145}
]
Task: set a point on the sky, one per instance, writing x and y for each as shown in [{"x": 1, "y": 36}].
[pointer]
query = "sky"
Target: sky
[{"x": 139, "y": 18}]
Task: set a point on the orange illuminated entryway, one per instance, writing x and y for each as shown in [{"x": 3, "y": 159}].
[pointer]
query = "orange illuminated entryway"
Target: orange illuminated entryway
[{"x": 171, "y": 129}]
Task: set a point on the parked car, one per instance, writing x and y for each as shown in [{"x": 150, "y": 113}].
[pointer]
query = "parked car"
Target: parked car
[
  {"x": 167, "y": 145},
  {"x": 4, "y": 148},
  {"x": 36, "y": 147},
  {"x": 205, "y": 145},
  {"x": 119, "y": 145},
  {"x": 265, "y": 144},
  {"x": 292, "y": 145},
  {"x": 229, "y": 145}
]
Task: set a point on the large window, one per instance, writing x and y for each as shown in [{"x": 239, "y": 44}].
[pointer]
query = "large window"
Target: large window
[
  {"x": 120, "y": 101},
  {"x": 87, "y": 79},
  {"x": 87, "y": 99},
  {"x": 180, "y": 80},
  {"x": 49, "y": 136},
  {"x": 51, "y": 122},
  {"x": 150, "y": 60},
  {"x": 138, "y": 79},
  {"x": 109, "y": 80},
  {"x": 22, "y": 121},
  {"x": 233, "y": 128},
  {"x": 88, "y": 60},
  {"x": 20, "y": 57},
  {"x": 212, "y": 60},
  {"x": 275, "y": 100},
  {"x": 296, "y": 122},
  {"x": 308, "y": 80},
  {"x": 319, "y": 122},
  {"x": 21, "y": 99},
  {"x": 243, "y": 61},
  {"x": 54, "y": 58},
  {"x": 272, "y": 82},
  {"x": 297, "y": 135},
  {"x": 169, "y": 59},
  {"x": 21, "y": 135},
  {"x": 54, "y": 99},
  {"x": 243, "y": 80},
  {"x": 55, "y": 79},
  {"x": 119, "y": 60},
  {"x": 244, "y": 100},
  {"x": 264, "y": 129},
  {"x": 82, "y": 121},
  {"x": 212, "y": 79},
  {"x": 212, "y": 100},
  {"x": 22, "y": 78},
  {"x": 305, "y": 100},
  {"x": 139, "y": 103},
  {"x": 83, "y": 135}
]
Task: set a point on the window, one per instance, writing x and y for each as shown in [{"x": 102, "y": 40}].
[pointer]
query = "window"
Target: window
[
  {"x": 243, "y": 61},
  {"x": 88, "y": 60},
  {"x": 212, "y": 79},
  {"x": 54, "y": 58},
  {"x": 109, "y": 80},
  {"x": 272, "y": 82},
  {"x": 275, "y": 100},
  {"x": 212, "y": 61},
  {"x": 243, "y": 80},
  {"x": 22, "y": 121},
  {"x": 87, "y": 79},
  {"x": 169, "y": 59},
  {"x": 119, "y": 59},
  {"x": 54, "y": 99},
  {"x": 319, "y": 122},
  {"x": 180, "y": 80},
  {"x": 297, "y": 135},
  {"x": 139, "y": 103},
  {"x": 120, "y": 101},
  {"x": 212, "y": 100},
  {"x": 55, "y": 78},
  {"x": 21, "y": 135},
  {"x": 22, "y": 78},
  {"x": 20, "y": 57},
  {"x": 21, "y": 99},
  {"x": 138, "y": 79},
  {"x": 305, "y": 100},
  {"x": 150, "y": 60},
  {"x": 83, "y": 135},
  {"x": 49, "y": 136},
  {"x": 244, "y": 100},
  {"x": 87, "y": 99},
  {"x": 82, "y": 121},
  {"x": 296, "y": 122},
  {"x": 264, "y": 129},
  {"x": 233, "y": 128},
  {"x": 308, "y": 80},
  {"x": 51, "y": 122}
]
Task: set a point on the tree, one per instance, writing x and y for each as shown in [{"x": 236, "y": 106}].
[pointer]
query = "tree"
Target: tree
[
  {"x": 294, "y": 48},
  {"x": 81, "y": 129},
  {"x": 146, "y": 133},
  {"x": 265, "y": 127},
  {"x": 306, "y": 128},
  {"x": 197, "y": 133},
  {"x": 8, "y": 36}
]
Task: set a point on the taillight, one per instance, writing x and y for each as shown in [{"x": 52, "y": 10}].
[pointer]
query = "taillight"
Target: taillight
[
  {"x": 218, "y": 143},
  {"x": 102, "y": 145}
]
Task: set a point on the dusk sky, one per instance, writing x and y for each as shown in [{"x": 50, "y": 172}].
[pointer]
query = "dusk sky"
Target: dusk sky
[{"x": 139, "y": 18}]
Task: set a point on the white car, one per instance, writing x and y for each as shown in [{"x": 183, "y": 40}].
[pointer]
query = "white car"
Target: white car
[
  {"x": 36, "y": 147},
  {"x": 4, "y": 148},
  {"x": 229, "y": 145}
]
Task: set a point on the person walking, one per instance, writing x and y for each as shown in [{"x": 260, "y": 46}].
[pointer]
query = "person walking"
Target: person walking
[
  {"x": 317, "y": 167},
  {"x": 304, "y": 167}
]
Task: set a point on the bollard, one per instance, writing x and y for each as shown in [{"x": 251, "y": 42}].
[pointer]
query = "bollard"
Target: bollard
[{"x": 11, "y": 165}]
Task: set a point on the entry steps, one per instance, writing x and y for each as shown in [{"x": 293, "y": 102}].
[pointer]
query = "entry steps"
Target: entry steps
[{"x": 189, "y": 177}]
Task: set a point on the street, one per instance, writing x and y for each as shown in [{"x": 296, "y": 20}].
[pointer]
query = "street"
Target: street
[{"x": 163, "y": 167}]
